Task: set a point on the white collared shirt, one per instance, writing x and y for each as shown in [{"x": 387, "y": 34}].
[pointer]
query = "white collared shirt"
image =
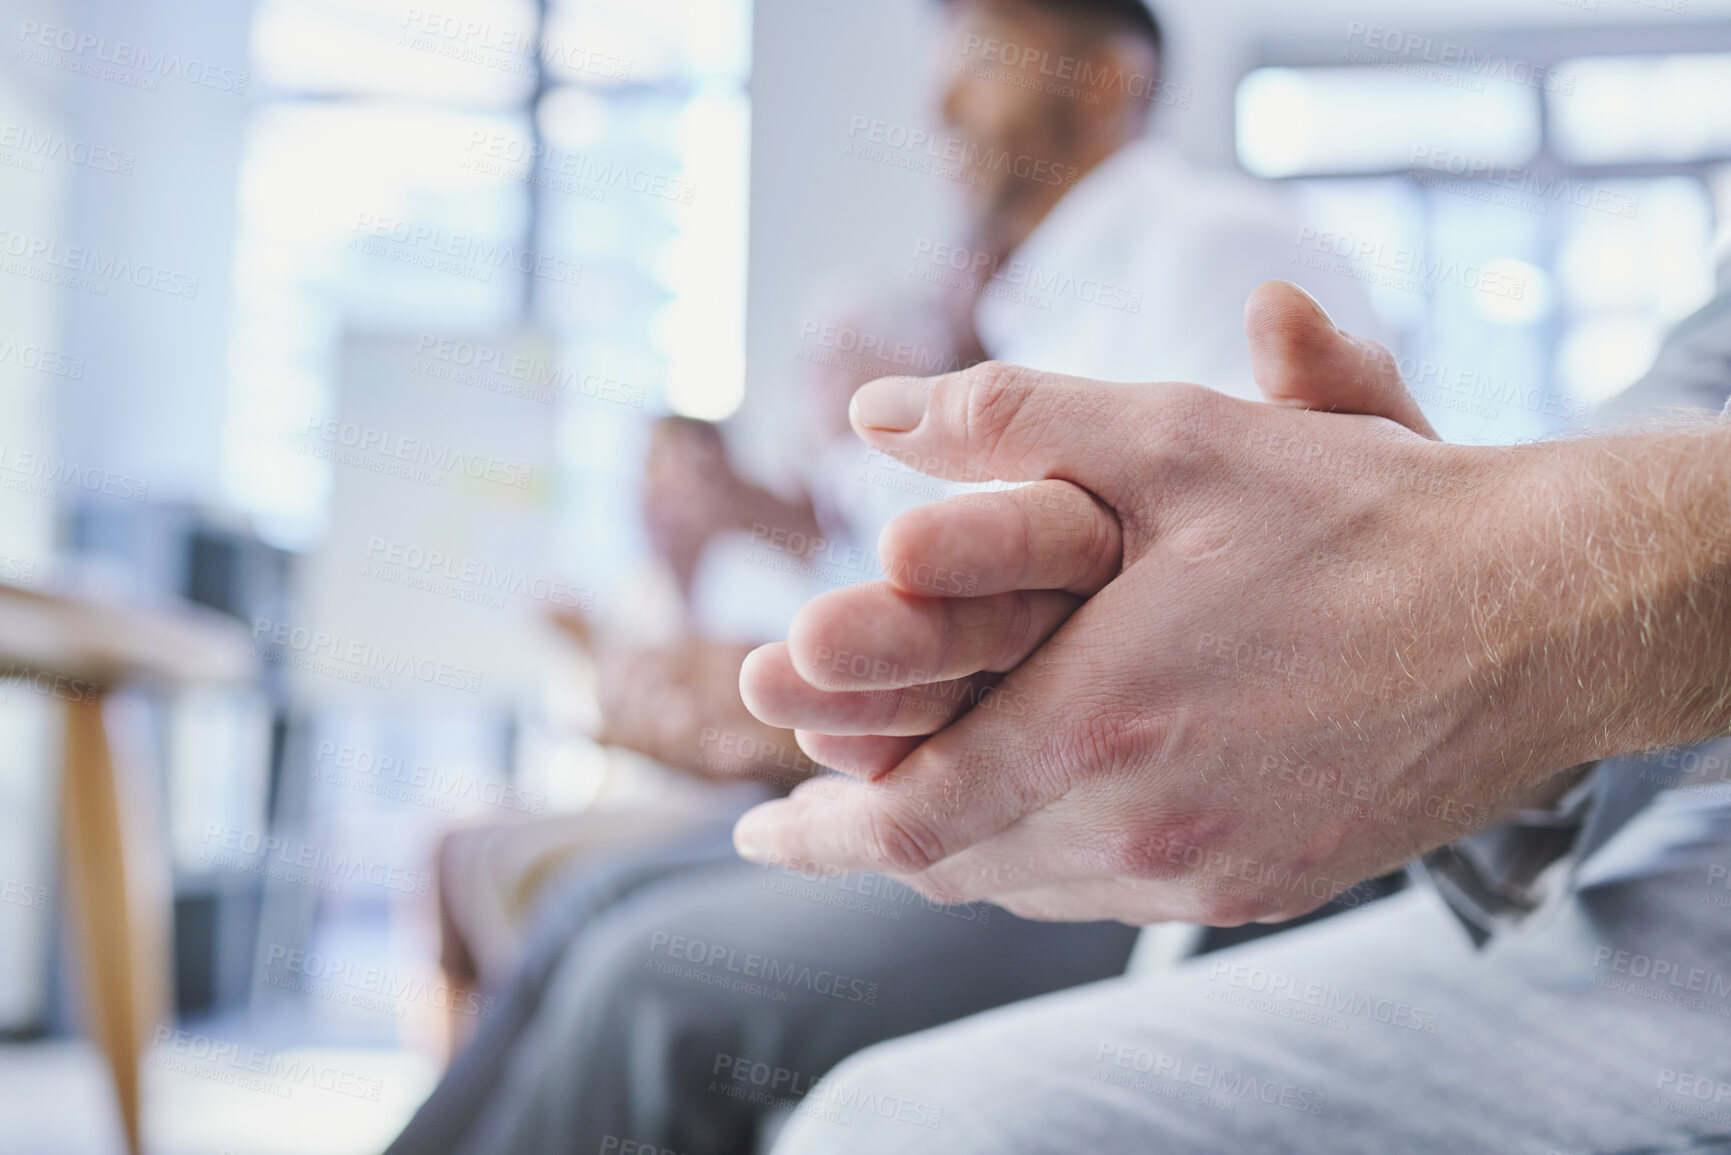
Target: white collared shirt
[{"x": 1142, "y": 271}]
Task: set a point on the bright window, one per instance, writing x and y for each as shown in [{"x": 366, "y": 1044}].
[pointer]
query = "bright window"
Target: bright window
[{"x": 406, "y": 166}]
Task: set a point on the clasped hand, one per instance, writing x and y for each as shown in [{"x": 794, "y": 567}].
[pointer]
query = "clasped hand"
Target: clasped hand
[{"x": 1216, "y": 662}]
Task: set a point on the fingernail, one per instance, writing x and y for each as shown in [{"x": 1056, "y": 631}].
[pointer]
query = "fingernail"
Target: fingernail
[
  {"x": 751, "y": 840},
  {"x": 1315, "y": 304},
  {"x": 891, "y": 404}
]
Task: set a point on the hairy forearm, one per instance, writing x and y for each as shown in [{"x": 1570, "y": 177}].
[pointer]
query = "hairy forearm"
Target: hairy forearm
[{"x": 1612, "y": 620}]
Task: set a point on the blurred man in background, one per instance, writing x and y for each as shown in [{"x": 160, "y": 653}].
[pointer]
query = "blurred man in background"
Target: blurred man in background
[{"x": 1088, "y": 249}]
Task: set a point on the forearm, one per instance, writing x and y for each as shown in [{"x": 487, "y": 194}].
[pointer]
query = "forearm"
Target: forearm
[{"x": 1615, "y": 610}]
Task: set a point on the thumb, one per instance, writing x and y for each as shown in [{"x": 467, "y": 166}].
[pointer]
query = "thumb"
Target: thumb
[
  {"x": 1300, "y": 359},
  {"x": 997, "y": 422}
]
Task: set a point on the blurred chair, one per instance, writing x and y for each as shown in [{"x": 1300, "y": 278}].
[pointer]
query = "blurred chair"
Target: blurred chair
[{"x": 111, "y": 837}]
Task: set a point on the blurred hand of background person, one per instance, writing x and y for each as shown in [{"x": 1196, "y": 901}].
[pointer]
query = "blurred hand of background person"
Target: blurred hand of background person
[
  {"x": 691, "y": 493},
  {"x": 677, "y": 700},
  {"x": 680, "y": 705}
]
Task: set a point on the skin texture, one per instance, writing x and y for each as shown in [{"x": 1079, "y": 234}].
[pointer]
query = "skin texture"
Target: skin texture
[{"x": 1307, "y": 608}]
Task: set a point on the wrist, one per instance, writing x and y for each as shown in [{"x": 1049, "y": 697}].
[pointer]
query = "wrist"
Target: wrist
[{"x": 1608, "y": 630}]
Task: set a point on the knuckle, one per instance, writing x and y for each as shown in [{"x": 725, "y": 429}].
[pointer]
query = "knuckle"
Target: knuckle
[
  {"x": 1173, "y": 846},
  {"x": 1188, "y": 406},
  {"x": 1140, "y": 855},
  {"x": 1183, "y": 438},
  {"x": 1014, "y": 626},
  {"x": 1103, "y": 553},
  {"x": 1106, "y": 742},
  {"x": 899, "y": 843},
  {"x": 993, "y": 397}
]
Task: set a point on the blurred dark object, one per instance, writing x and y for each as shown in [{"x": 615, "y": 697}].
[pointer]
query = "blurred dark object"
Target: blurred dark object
[{"x": 162, "y": 554}]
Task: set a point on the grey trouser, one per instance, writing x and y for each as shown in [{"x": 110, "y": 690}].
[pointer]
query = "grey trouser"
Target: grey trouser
[
  {"x": 1601, "y": 1024},
  {"x": 684, "y": 996}
]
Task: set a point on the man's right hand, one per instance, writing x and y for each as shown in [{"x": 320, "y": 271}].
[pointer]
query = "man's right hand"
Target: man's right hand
[
  {"x": 1311, "y": 610},
  {"x": 1026, "y": 559}
]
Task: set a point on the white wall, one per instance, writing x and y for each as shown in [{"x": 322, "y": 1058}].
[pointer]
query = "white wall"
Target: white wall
[
  {"x": 152, "y": 399},
  {"x": 816, "y": 65}
]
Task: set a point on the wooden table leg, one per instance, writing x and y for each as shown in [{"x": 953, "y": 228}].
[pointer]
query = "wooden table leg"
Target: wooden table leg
[{"x": 102, "y": 825}]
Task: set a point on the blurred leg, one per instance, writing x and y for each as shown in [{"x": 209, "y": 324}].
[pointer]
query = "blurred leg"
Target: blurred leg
[
  {"x": 1591, "y": 1028},
  {"x": 472, "y": 1082},
  {"x": 697, "y": 1006}
]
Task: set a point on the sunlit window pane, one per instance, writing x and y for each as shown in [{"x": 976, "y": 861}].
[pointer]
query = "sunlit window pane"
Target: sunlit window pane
[
  {"x": 1644, "y": 108},
  {"x": 473, "y": 52},
  {"x": 646, "y": 189},
  {"x": 351, "y": 213},
  {"x": 648, "y": 41},
  {"x": 1628, "y": 280},
  {"x": 1294, "y": 121}
]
